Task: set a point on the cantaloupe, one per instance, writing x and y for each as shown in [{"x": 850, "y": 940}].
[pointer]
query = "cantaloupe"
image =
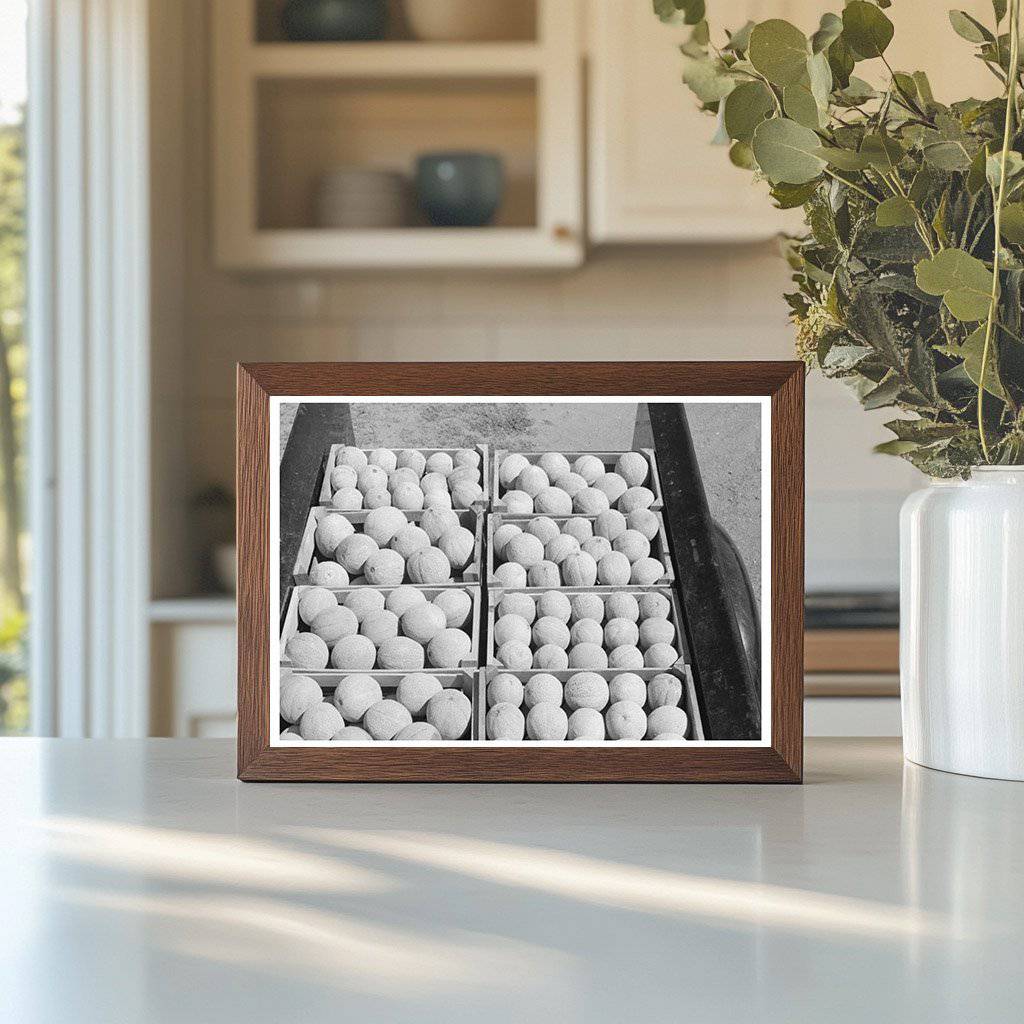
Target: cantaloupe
[
  {"x": 400, "y": 654},
  {"x": 383, "y": 457},
  {"x": 410, "y": 539},
  {"x": 646, "y": 571},
  {"x": 415, "y": 689},
  {"x": 543, "y": 574},
  {"x": 436, "y": 522},
  {"x": 635, "y": 498},
  {"x": 458, "y": 546},
  {"x": 349, "y": 456},
  {"x": 572, "y": 484},
  {"x": 352, "y": 734},
  {"x": 384, "y": 568},
  {"x": 333, "y": 623},
  {"x": 518, "y": 604},
  {"x": 379, "y": 626},
  {"x": 312, "y": 601},
  {"x": 380, "y": 498},
  {"x": 613, "y": 570},
  {"x": 524, "y": 549},
  {"x": 512, "y": 628},
  {"x": 610, "y": 524},
  {"x": 633, "y": 468},
  {"x": 586, "y": 631},
  {"x": 385, "y": 719},
  {"x": 511, "y": 466},
  {"x": 330, "y": 531},
  {"x": 550, "y": 658},
  {"x": 433, "y": 482},
  {"x": 439, "y": 500},
  {"x": 588, "y": 656},
  {"x": 401, "y": 599},
  {"x": 510, "y": 574},
  {"x": 372, "y": 478},
  {"x": 664, "y": 690},
  {"x": 320, "y": 722},
  {"x": 407, "y": 497},
  {"x": 328, "y": 574},
  {"x": 429, "y": 567},
  {"x": 654, "y": 606},
  {"x": 353, "y": 552},
  {"x": 547, "y": 722},
  {"x": 656, "y": 631},
  {"x": 501, "y": 536},
  {"x": 597, "y": 548},
  {"x": 555, "y": 464},
  {"x": 578, "y": 527},
  {"x": 296, "y": 694},
  {"x": 439, "y": 462},
  {"x": 505, "y": 722},
  {"x": 515, "y": 655},
  {"x": 518, "y": 503},
  {"x": 542, "y": 688},
  {"x": 348, "y": 499},
  {"x": 422, "y": 622},
  {"x": 555, "y": 604},
  {"x": 418, "y": 732},
  {"x": 586, "y": 690},
  {"x": 668, "y": 737},
  {"x": 505, "y": 688},
  {"x": 467, "y": 457},
  {"x": 626, "y": 656},
  {"x": 466, "y": 494},
  {"x": 612, "y": 485},
  {"x": 544, "y": 528},
  {"x": 590, "y": 467},
  {"x": 627, "y": 686},
  {"x": 644, "y": 521},
  {"x": 660, "y": 656},
  {"x": 553, "y": 501},
  {"x": 667, "y": 719},
  {"x": 464, "y": 475},
  {"x": 457, "y": 606},
  {"x": 405, "y": 475},
  {"x": 382, "y": 524},
  {"x": 307, "y": 651},
  {"x": 586, "y": 606},
  {"x": 292, "y": 735},
  {"x": 622, "y": 605},
  {"x": 579, "y": 570},
  {"x": 355, "y": 694},
  {"x": 620, "y": 631},
  {"x": 550, "y": 630},
  {"x": 343, "y": 478},
  {"x": 586, "y": 724},
  {"x": 364, "y": 601},
  {"x": 625, "y": 721},
  {"x": 449, "y": 648},
  {"x": 634, "y": 545},
  {"x": 409, "y": 458},
  {"x": 354, "y": 654},
  {"x": 559, "y": 548},
  {"x": 449, "y": 712},
  {"x": 590, "y": 502}
]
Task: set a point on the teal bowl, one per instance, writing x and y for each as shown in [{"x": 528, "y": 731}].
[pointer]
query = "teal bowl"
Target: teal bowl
[
  {"x": 461, "y": 190},
  {"x": 334, "y": 21}
]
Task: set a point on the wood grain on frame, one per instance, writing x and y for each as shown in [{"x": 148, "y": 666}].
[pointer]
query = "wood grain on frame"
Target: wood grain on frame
[{"x": 780, "y": 762}]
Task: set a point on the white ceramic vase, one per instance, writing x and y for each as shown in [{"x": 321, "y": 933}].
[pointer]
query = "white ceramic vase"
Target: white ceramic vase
[{"x": 962, "y": 624}]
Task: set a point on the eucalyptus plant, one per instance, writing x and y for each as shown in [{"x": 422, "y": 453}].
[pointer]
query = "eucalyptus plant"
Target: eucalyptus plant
[{"x": 910, "y": 277}]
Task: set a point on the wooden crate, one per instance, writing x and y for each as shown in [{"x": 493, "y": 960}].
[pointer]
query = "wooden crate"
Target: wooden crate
[
  {"x": 469, "y": 681},
  {"x": 307, "y": 558},
  {"x": 659, "y": 546},
  {"x": 332, "y": 454},
  {"x": 689, "y": 704},
  {"x": 675, "y": 616},
  {"x": 291, "y": 625},
  {"x": 608, "y": 458}
]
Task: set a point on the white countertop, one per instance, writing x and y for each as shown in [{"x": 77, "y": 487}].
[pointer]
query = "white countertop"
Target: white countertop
[{"x": 140, "y": 882}]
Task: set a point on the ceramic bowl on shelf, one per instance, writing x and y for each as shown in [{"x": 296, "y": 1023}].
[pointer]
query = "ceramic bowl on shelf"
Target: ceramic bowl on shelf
[
  {"x": 362, "y": 197},
  {"x": 334, "y": 21},
  {"x": 470, "y": 20},
  {"x": 460, "y": 189}
]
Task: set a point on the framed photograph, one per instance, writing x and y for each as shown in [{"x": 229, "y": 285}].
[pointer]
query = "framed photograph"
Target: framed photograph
[{"x": 517, "y": 572}]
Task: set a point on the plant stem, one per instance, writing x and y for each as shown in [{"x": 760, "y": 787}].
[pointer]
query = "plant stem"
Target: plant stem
[
  {"x": 1011, "y": 108},
  {"x": 853, "y": 185}
]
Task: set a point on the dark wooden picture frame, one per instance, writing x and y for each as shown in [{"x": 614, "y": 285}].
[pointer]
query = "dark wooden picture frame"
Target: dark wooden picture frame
[{"x": 780, "y": 760}]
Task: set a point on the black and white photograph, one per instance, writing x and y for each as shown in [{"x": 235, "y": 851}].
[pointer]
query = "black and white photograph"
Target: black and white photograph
[{"x": 520, "y": 570}]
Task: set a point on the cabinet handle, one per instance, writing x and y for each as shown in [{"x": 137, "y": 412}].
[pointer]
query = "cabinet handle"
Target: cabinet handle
[{"x": 562, "y": 232}]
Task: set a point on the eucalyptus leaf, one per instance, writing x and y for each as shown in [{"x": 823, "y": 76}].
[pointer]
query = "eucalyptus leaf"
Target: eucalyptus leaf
[
  {"x": 788, "y": 196},
  {"x": 1012, "y": 223},
  {"x": 999, "y": 9},
  {"x": 786, "y": 151},
  {"x": 947, "y": 156},
  {"x": 963, "y": 281},
  {"x": 993, "y": 167},
  {"x": 924, "y": 87},
  {"x": 969, "y": 28},
  {"x": 801, "y": 106},
  {"x": 882, "y": 152},
  {"x": 972, "y": 352},
  {"x": 689, "y": 12},
  {"x": 819, "y": 76},
  {"x": 866, "y": 29},
  {"x": 844, "y": 159},
  {"x": 739, "y": 41},
  {"x": 829, "y": 30},
  {"x": 708, "y": 80},
  {"x": 894, "y": 212},
  {"x": 895, "y": 447},
  {"x": 779, "y": 51},
  {"x": 741, "y": 155},
  {"x": 841, "y": 62},
  {"x": 745, "y": 108}
]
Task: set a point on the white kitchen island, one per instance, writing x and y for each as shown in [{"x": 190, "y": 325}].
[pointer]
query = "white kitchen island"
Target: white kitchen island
[{"x": 141, "y": 882}]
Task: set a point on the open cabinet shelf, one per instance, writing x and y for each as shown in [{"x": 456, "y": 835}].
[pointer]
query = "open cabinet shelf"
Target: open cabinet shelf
[{"x": 286, "y": 114}]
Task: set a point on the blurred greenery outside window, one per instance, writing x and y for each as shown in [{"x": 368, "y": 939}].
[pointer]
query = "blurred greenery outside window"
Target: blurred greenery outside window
[{"x": 14, "y": 538}]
